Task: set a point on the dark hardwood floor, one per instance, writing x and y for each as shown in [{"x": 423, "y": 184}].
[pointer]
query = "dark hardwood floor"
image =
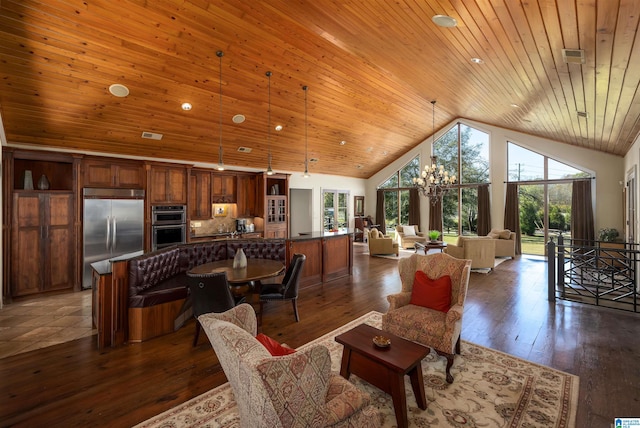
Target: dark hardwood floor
[{"x": 73, "y": 384}]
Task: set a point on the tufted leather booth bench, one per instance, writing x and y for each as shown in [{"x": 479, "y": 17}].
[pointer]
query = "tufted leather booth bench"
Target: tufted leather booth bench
[{"x": 157, "y": 280}]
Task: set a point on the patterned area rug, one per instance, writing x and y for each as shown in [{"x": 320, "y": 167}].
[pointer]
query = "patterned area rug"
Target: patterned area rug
[{"x": 491, "y": 389}]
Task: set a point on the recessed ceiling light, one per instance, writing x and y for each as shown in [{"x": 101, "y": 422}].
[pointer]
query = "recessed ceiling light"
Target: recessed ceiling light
[
  {"x": 313, "y": 160},
  {"x": 369, "y": 149},
  {"x": 118, "y": 90},
  {"x": 514, "y": 105},
  {"x": 342, "y": 143},
  {"x": 186, "y": 106},
  {"x": 359, "y": 166},
  {"x": 477, "y": 60},
  {"x": 151, "y": 136},
  {"x": 444, "y": 21},
  {"x": 278, "y": 127},
  {"x": 238, "y": 118}
]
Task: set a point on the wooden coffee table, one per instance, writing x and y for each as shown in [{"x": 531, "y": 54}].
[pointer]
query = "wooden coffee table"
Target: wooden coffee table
[
  {"x": 430, "y": 245},
  {"x": 385, "y": 368}
]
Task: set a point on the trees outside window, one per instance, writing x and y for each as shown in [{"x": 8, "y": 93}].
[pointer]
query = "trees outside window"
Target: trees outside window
[
  {"x": 544, "y": 192},
  {"x": 396, "y": 195},
  {"x": 464, "y": 151},
  {"x": 335, "y": 209}
]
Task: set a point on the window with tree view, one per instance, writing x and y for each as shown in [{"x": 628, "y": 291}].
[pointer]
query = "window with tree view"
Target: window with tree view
[
  {"x": 544, "y": 193},
  {"x": 396, "y": 195},
  {"x": 464, "y": 151}
]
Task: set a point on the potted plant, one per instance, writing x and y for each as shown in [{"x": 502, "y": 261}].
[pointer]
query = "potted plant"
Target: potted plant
[
  {"x": 434, "y": 235},
  {"x": 608, "y": 234}
]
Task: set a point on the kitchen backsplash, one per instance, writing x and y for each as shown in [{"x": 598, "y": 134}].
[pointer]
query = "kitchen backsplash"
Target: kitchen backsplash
[{"x": 217, "y": 224}]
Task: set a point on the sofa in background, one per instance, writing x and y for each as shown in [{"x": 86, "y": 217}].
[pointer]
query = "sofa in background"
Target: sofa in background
[
  {"x": 480, "y": 250},
  {"x": 409, "y": 235},
  {"x": 381, "y": 244},
  {"x": 505, "y": 241}
]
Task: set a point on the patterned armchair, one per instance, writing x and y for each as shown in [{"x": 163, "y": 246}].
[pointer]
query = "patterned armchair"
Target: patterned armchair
[
  {"x": 292, "y": 390},
  {"x": 381, "y": 244},
  {"x": 432, "y": 328}
]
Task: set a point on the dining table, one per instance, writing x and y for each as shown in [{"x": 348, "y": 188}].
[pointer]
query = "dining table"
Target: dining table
[{"x": 256, "y": 270}]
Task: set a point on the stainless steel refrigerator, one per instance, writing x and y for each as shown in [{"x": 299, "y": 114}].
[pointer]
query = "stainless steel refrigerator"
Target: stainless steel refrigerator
[{"x": 113, "y": 224}]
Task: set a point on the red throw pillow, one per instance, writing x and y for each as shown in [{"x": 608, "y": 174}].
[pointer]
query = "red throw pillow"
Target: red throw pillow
[
  {"x": 273, "y": 346},
  {"x": 431, "y": 293}
]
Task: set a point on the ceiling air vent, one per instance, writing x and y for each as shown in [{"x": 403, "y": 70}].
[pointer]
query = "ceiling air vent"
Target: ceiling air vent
[
  {"x": 573, "y": 56},
  {"x": 244, "y": 149},
  {"x": 583, "y": 114},
  {"x": 151, "y": 136}
]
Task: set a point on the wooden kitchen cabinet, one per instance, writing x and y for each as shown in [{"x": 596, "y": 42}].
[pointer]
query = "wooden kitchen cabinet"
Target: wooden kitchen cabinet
[
  {"x": 223, "y": 188},
  {"x": 42, "y": 236},
  {"x": 246, "y": 195},
  {"x": 275, "y": 205},
  {"x": 112, "y": 174},
  {"x": 168, "y": 185},
  {"x": 200, "y": 195},
  {"x": 276, "y": 218}
]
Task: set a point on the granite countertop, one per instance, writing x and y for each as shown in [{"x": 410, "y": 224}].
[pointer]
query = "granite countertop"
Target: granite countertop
[
  {"x": 321, "y": 234},
  {"x": 223, "y": 235},
  {"x": 103, "y": 267}
]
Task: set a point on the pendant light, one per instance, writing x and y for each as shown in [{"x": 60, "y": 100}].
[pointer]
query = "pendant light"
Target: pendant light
[
  {"x": 220, "y": 54},
  {"x": 306, "y": 136},
  {"x": 269, "y": 170}
]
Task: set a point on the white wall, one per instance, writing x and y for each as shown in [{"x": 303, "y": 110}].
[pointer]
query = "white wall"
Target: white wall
[
  {"x": 609, "y": 170},
  {"x": 318, "y": 182}
]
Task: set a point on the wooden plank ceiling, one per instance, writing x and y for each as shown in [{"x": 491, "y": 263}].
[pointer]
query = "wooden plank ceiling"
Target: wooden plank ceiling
[{"x": 372, "y": 67}]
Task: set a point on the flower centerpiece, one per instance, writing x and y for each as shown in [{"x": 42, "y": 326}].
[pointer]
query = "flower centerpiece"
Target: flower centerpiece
[{"x": 434, "y": 235}]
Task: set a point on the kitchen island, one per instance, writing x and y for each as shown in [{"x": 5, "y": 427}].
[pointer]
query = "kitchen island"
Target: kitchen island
[{"x": 329, "y": 255}]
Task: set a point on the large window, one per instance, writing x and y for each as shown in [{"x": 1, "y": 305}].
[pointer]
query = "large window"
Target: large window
[
  {"x": 464, "y": 151},
  {"x": 544, "y": 192},
  {"x": 396, "y": 195}
]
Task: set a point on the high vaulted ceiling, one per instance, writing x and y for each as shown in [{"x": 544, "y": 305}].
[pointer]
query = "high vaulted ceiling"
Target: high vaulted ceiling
[{"x": 372, "y": 67}]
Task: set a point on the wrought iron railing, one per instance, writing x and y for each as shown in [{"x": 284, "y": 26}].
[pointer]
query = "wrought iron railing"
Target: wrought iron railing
[{"x": 594, "y": 272}]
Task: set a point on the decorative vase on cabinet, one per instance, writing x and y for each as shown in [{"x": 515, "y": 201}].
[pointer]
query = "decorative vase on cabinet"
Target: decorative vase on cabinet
[
  {"x": 28, "y": 180},
  {"x": 43, "y": 183}
]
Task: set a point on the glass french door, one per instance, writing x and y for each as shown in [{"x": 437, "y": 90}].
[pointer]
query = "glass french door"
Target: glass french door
[{"x": 335, "y": 210}]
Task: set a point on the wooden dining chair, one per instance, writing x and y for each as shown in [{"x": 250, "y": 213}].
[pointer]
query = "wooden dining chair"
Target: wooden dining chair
[{"x": 210, "y": 293}]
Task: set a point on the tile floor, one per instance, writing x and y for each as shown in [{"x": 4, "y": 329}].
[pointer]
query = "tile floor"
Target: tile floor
[{"x": 44, "y": 321}]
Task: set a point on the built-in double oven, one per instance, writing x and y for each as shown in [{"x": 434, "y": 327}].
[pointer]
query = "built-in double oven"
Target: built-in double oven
[{"x": 168, "y": 225}]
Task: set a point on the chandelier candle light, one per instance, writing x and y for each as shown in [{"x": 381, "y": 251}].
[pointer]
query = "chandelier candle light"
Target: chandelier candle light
[{"x": 434, "y": 181}]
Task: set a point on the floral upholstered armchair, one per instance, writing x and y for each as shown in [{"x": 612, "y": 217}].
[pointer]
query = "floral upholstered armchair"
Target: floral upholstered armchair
[
  {"x": 437, "y": 329},
  {"x": 295, "y": 390}
]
